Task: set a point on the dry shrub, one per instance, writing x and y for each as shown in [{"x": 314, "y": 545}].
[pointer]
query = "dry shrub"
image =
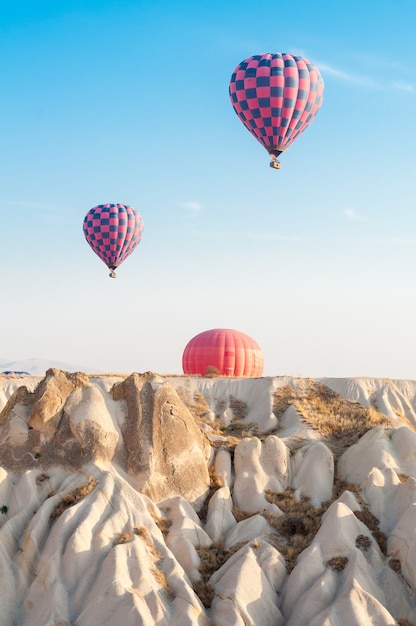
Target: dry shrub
[
  {"x": 229, "y": 443},
  {"x": 366, "y": 517},
  {"x": 163, "y": 523},
  {"x": 238, "y": 407},
  {"x": 240, "y": 515},
  {"x": 337, "y": 563},
  {"x": 144, "y": 533},
  {"x": 212, "y": 559},
  {"x": 123, "y": 538},
  {"x": 204, "y": 591},
  {"x": 342, "y": 485},
  {"x": 72, "y": 498},
  {"x": 402, "y": 417},
  {"x": 296, "y": 528},
  {"x": 363, "y": 542},
  {"x": 341, "y": 421},
  {"x": 395, "y": 565},
  {"x": 282, "y": 399},
  {"x": 404, "y": 622},
  {"x": 160, "y": 578},
  {"x": 195, "y": 403},
  {"x": 40, "y": 479},
  {"x": 215, "y": 483},
  {"x": 211, "y": 371},
  {"x": 239, "y": 429}
]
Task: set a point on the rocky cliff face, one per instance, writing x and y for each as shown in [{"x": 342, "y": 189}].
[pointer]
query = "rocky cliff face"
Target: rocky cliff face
[{"x": 188, "y": 500}]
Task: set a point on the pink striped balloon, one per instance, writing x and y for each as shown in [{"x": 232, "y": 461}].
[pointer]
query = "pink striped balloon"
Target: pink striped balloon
[
  {"x": 276, "y": 96},
  {"x": 230, "y": 352},
  {"x": 113, "y": 231}
]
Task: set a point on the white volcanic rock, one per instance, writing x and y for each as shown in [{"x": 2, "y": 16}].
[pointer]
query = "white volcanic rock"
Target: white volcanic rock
[
  {"x": 220, "y": 518},
  {"x": 258, "y": 467},
  {"x": 121, "y": 500},
  {"x": 341, "y": 578},
  {"x": 402, "y": 544},
  {"x": 223, "y": 467},
  {"x": 91, "y": 422},
  {"x": 390, "y": 396},
  {"x": 255, "y": 393},
  {"x": 247, "y": 586},
  {"x": 392, "y": 449},
  {"x": 248, "y": 529},
  {"x": 185, "y": 535},
  {"x": 314, "y": 473}
]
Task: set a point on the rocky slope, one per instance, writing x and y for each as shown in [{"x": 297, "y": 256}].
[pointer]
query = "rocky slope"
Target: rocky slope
[{"x": 144, "y": 499}]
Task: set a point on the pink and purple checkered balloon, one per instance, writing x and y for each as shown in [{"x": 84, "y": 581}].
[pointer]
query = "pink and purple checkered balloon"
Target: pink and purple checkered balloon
[
  {"x": 113, "y": 231},
  {"x": 276, "y": 96}
]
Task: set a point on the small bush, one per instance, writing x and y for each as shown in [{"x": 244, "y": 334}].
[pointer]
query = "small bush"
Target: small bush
[
  {"x": 215, "y": 483},
  {"x": 297, "y": 527},
  {"x": 395, "y": 565},
  {"x": 211, "y": 560},
  {"x": 160, "y": 578},
  {"x": 211, "y": 371},
  {"x": 363, "y": 542},
  {"x": 366, "y": 517},
  {"x": 72, "y": 498},
  {"x": 123, "y": 538},
  {"x": 337, "y": 563},
  {"x": 163, "y": 523}
]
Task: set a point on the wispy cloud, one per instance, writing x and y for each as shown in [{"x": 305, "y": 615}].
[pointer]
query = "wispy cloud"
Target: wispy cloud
[
  {"x": 399, "y": 241},
  {"x": 401, "y": 86},
  {"x": 39, "y": 206},
  {"x": 363, "y": 80},
  {"x": 352, "y": 215},
  {"x": 193, "y": 207},
  {"x": 257, "y": 236},
  {"x": 42, "y": 211},
  {"x": 274, "y": 237}
]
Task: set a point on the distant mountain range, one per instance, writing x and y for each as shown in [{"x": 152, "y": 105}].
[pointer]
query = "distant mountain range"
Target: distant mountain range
[{"x": 38, "y": 367}]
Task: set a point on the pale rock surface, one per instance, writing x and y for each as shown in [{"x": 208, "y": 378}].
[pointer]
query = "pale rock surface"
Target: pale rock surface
[
  {"x": 185, "y": 535},
  {"x": 258, "y": 467},
  {"x": 218, "y": 391},
  {"x": 220, "y": 518},
  {"x": 314, "y": 473},
  {"x": 248, "y": 529},
  {"x": 402, "y": 544},
  {"x": 108, "y": 513},
  {"x": 247, "y": 586}
]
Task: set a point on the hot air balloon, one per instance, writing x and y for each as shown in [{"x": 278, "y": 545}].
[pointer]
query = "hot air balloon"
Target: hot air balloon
[
  {"x": 113, "y": 231},
  {"x": 230, "y": 352},
  {"x": 276, "y": 96}
]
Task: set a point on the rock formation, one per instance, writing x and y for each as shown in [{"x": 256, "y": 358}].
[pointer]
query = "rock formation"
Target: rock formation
[{"x": 206, "y": 501}]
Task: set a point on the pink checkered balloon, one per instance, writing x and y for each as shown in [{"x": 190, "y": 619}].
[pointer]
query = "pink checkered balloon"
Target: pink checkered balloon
[
  {"x": 113, "y": 231},
  {"x": 276, "y": 96}
]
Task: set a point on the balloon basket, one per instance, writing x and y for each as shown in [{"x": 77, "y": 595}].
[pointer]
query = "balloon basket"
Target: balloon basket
[
  {"x": 112, "y": 274},
  {"x": 276, "y": 165}
]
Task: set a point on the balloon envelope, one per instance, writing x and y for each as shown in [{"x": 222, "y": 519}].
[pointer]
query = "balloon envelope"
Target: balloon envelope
[
  {"x": 113, "y": 231},
  {"x": 276, "y": 96},
  {"x": 231, "y": 352}
]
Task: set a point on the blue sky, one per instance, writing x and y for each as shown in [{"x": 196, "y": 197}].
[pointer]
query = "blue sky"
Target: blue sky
[{"x": 127, "y": 101}]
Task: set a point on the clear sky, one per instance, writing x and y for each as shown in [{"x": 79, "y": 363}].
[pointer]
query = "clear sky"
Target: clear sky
[{"x": 126, "y": 101}]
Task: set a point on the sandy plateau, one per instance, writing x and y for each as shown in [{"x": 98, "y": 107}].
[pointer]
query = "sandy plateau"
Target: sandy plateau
[{"x": 158, "y": 500}]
